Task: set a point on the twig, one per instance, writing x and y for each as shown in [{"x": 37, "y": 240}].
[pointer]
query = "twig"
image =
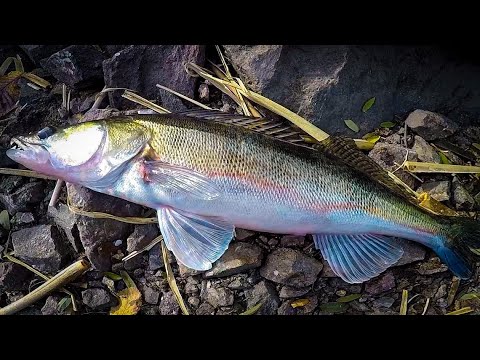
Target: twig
[
  {"x": 403, "y": 305},
  {"x": 27, "y": 173},
  {"x": 171, "y": 280},
  {"x": 184, "y": 97},
  {"x": 146, "y": 248},
  {"x": 56, "y": 192},
  {"x": 426, "y": 306},
  {"x": 59, "y": 280}
]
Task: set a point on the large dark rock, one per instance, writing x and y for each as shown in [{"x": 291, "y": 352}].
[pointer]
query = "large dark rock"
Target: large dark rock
[
  {"x": 330, "y": 83},
  {"x": 239, "y": 257},
  {"x": 430, "y": 126},
  {"x": 98, "y": 236},
  {"x": 291, "y": 267},
  {"x": 39, "y": 52},
  {"x": 141, "y": 67},
  {"x": 42, "y": 247},
  {"x": 13, "y": 276},
  {"x": 23, "y": 198},
  {"x": 78, "y": 66}
]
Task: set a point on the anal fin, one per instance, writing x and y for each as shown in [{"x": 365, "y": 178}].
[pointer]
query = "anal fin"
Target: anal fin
[{"x": 358, "y": 258}]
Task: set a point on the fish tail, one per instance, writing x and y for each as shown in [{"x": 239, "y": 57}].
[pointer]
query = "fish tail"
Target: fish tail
[{"x": 460, "y": 246}]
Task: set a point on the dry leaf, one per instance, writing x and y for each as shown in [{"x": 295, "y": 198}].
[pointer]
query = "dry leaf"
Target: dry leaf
[
  {"x": 9, "y": 91},
  {"x": 130, "y": 301},
  {"x": 299, "y": 303}
]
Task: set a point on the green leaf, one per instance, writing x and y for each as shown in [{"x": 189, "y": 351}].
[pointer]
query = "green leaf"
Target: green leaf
[
  {"x": 64, "y": 303},
  {"x": 112, "y": 276},
  {"x": 5, "y": 220},
  {"x": 387, "y": 124},
  {"x": 443, "y": 158},
  {"x": 461, "y": 311},
  {"x": 368, "y": 104},
  {"x": 470, "y": 296},
  {"x": 334, "y": 307},
  {"x": 372, "y": 138},
  {"x": 253, "y": 309},
  {"x": 351, "y": 125},
  {"x": 348, "y": 298}
]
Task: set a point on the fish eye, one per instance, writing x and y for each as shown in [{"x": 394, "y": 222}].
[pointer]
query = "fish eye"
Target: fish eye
[{"x": 46, "y": 132}]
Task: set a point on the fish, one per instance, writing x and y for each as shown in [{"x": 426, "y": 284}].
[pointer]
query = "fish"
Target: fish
[{"x": 207, "y": 173}]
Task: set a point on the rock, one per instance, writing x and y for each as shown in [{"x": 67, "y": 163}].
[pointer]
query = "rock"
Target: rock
[
  {"x": 291, "y": 267},
  {"x": 13, "y": 276},
  {"x": 218, "y": 297},
  {"x": 242, "y": 234},
  {"x": 155, "y": 260},
  {"x": 263, "y": 292},
  {"x": 98, "y": 235},
  {"x": 239, "y": 282},
  {"x": 432, "y": 266},
  {"x": 430, "y": 126},
  {"x": 78, "y": 66},
  {"x": 23, "y": 198},
  {"x": 288, "y": 292},
  {"x": 66, "y": 220},
  {"x": 111, "y": 50},
  {"x": 205, "y": 309},
  {"x": 411, "y": 252},
  {"x": 193, "y": 301},
  {"x": 329, "y": 83},
  {"x": 150, "y": 295},
  {"x": 51, "y": 306},
  {"x": 39, "y": 52},
  {"x": 390, "y": 156},
  {"x": 439, "y": 190},
  {"x": 98, "y": 299},
  {"x": 327, "y": 270},
  {"x": 287, "y": 309},
  {"x": 380, "y": 284},
  {"x": 292, "y": 241},
  {"x": 141, "y": 67},
  {"x": 461, "y": 197},
  {"x": 10, "y": 183},
  {"x": 185, "y": 271},
  {"x": 238, "y": 258},
  {"x": 5, "y": 161},
  {"x": 204, "y": 93},
  {"x": 142, "y": 236},
  {"x": 425, "y": 152},
  {"x": 383, "y": 302},
  {"x": 42, "y": 247},
  {"x": 168, "y": 304},
  {"x": 23, "y": 218}
]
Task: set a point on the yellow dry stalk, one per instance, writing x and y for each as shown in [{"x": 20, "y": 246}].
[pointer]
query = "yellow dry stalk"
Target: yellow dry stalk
[
  {"x": 419, "y": 167},
  {"x": 144, "y": 102}
]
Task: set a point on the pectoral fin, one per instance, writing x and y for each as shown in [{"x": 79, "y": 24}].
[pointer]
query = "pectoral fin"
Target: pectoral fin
[
  {"x": 181, "y": 179},
  {"x": 358, "y": 258},
  {"x": 196, "y": 241}
]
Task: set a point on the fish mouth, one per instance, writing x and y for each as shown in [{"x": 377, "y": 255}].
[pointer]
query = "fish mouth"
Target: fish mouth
[{"x": 22, "y": 151}]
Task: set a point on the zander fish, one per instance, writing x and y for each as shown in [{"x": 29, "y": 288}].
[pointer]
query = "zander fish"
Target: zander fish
[{"x": 206, "y": 176}]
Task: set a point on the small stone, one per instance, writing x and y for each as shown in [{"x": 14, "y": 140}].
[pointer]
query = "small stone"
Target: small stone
[
  {"x": 412, "y": 252},
  {"x": 242, "y": 234},
  {"x": 439, "y": 190},
  {"x": 461, "y": 197},
  {"x": 287, "y": 292},
  {"x": 186, "y": 271},
  {"x": 272, "y": 242},
  {"x": 292, "y": 241},
  {"x": 432, "y": 266},
  {"x": 23, "y": 198},
  {"x": 263, "y": 292},
  {"x": 168, "y": 304},
  {"x": 425, "y": 152},
  {"x": 78, "y": 66},
  {"x": 66, "y": 220},
  {"x": 380, "y": 284},
  {"x": 430, "y": 126},
  {"x": 150, "y": 295},
  {"x": 191, "y": 288},
  {"x": 341, "y": 292},
  {"x": 23, "y": 218},
  {"x": 204, "y": 93},
  {"x": 291, "y": 267},
  {"x": 193, "y": 301},
  {"x": 13, "y": 276},
  {"x": 155, "y": 260},
  {"x": 385, "y": 302},
  {"x": 141, "y": 237},
  {"x": 219, "y": 297},
  {"x": 98, "y": 299},
  {"x": 117, "y": 243},
  {"x": 205, "y": 309},
  {"x": 51, "y": 306},
  {"x": 441, "y": 292},
  {"x": 109, "y": 283},
  {"x": 327, "y": 270},
  {"x": 239, "y": 283},
  {"x": 42, "y": 247},
  {"x": 238, "y": 258}
]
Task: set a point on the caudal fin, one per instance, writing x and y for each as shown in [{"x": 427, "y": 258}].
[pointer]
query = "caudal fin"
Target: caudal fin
[{"x": 462, "y": 245}]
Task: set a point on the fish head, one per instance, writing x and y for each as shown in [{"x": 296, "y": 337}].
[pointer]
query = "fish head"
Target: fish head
[{"x": 79, "y": 153}]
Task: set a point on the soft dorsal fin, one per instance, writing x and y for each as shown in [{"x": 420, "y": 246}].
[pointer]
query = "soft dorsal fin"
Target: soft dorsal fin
[{"x": 342, "y": 149}]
